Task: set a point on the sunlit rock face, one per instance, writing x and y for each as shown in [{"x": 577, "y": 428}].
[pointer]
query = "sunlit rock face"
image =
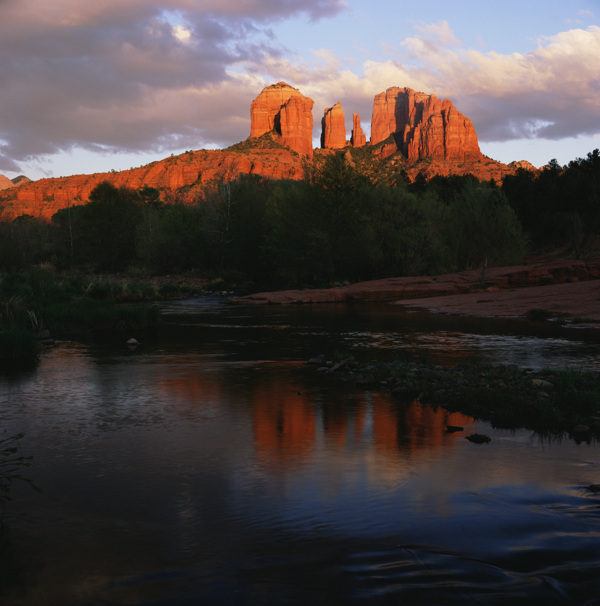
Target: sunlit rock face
[
  {"x": 420, "y": 126},
  {"x": 45, "y": 197},
  {"x": 358, "y": 138},
  {"x": 333, "y": 133},
  {"x": 285, "y": 110},
  {"x": 5, "y": 182},
  {"x": 423, "y": 126}
]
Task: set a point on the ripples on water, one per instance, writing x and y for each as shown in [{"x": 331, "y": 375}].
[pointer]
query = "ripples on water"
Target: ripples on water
[{"x": 210, "y": 465}]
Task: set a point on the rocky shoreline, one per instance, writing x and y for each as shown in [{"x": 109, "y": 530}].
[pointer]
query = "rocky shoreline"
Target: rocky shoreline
[
  {"x": 562, "y": 288},
  {"x": 550, "y": 402}
]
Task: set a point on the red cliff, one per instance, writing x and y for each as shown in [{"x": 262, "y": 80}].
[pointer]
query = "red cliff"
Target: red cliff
[
  {"x": 333, "y": 133},
  {"x": 195, "y": 169},
  {"x": 286, "y": 111},
  {"x": 358, "y": 136},
  {"x": 423, "y": 126},
  {"x": 433, "y": 136},
  {"x": 5, "y": 182}
]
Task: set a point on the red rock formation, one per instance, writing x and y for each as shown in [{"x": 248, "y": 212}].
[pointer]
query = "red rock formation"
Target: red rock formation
[
  {"x": 45, "y": 197},
  {"x": 5, "y": 182},
  {"x": 285, "y": 110},
  {"x": 423, "y": 126},
  {"x": 333, "y": 132},
  {"x": 358, "y": 136},
  {"x": 542, "y": 274},
  {"x": 524, "y": 164}
]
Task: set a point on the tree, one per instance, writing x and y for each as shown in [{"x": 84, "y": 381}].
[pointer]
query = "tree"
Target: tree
[{"x": 485, "y": 229}]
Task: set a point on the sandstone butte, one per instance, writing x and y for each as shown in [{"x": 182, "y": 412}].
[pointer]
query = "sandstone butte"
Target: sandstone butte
[
  {"x": 410, "y": 131},
  {"x": 284, "y": 109},
  {"x": 333, "y": 135},
  {"x": 423, "y": 127},
  {"x": 358, "y": 138}
]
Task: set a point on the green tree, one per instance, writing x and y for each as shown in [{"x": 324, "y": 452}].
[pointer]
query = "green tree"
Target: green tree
[
  {"x": 484, "y": 229},
  {"x": 102, "y": 232}
]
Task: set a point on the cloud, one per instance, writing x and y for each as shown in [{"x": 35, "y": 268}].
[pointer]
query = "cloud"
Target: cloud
[
  {"x": 549, "y": 92},
  {"x": 147, "y": 75},
  {"x": 131, "y": 74}
]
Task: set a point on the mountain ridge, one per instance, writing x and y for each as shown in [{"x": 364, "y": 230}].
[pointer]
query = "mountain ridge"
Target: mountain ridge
[{"x": 412, "y": 133}]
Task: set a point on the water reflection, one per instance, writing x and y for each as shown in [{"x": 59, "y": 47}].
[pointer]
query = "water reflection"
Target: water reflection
[{"x": 212, "y": 465}]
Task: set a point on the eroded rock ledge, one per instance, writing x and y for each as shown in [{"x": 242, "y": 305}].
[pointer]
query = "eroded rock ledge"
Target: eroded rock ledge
[{"x": 507, "y": 283}]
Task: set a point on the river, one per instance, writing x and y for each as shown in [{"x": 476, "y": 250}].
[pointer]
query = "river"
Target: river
[{"x": 212, "y": 465}]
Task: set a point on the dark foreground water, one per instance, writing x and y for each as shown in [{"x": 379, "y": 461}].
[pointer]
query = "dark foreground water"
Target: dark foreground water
[{"x": 211, "y": 465}]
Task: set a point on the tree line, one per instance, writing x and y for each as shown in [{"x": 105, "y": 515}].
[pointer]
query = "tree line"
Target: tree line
[{"x": 336, "y": 226}]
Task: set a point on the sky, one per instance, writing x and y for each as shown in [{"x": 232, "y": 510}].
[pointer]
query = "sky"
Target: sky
[{"x": 113, "y": 84}]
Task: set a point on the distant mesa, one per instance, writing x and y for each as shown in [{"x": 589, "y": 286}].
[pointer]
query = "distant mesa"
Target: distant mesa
[
  {"x": 523, "y": 164},
  {"x": 21, "y": 180}
]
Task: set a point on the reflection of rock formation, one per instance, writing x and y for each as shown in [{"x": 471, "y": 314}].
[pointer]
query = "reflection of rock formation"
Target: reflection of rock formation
[
  {"x": 413, "y": 428},
  {"x": 284, "y": 423}
]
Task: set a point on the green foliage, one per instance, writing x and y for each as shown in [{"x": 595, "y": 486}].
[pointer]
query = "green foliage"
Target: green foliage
[
  {"x": 353, "y": 218},
  {"x": 40, "y": 299},
  {"x": 485, "y": 229},
  {"x": 561, "y": 205}
]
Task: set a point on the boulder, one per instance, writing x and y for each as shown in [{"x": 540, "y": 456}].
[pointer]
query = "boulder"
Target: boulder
[{"x": 333, "y": 131}]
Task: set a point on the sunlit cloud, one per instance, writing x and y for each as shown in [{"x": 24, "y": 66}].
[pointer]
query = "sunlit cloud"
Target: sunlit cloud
[
  {"x": 140, "y": 76},
  {"x": 182, "y": 33}
]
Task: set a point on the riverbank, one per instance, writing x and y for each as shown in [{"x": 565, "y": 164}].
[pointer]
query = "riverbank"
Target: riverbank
[
  {"x": 549, "y": 401},
  {"x": 564, "y": 288}
]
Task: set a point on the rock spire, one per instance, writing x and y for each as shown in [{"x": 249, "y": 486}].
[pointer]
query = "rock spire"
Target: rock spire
[
  {"x": 358, "y": 138},
  {"x": 333, "y": 132}
]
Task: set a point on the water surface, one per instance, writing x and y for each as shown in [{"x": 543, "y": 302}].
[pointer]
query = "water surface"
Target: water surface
[{"x": 213, "y": 465}]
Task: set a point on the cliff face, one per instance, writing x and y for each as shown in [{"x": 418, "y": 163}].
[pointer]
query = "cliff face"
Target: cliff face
[
  {"x": 333, "y": 133},
  {"x": 285, "y": 110},
  {"x": 5, "y": 182},
  {"x": 423, "y": 126},
  {"x": 433, "y": 136},
  {"x": 45, "y": 197}
]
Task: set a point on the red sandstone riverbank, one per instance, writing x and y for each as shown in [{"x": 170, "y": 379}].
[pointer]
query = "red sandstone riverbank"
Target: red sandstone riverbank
[{"x": 563, "y": 287}]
